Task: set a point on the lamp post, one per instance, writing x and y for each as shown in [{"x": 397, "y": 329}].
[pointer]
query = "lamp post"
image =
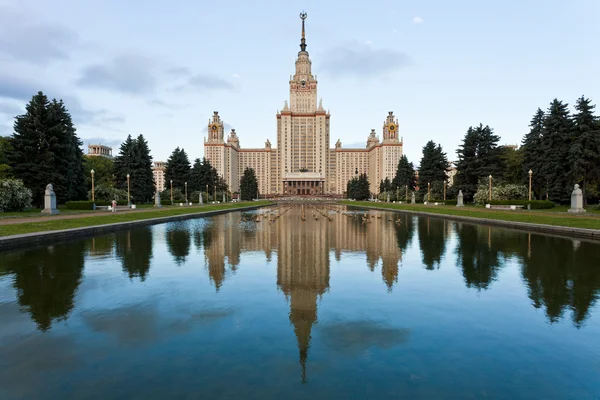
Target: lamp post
[
  {"x": 128, "y": 192},
  {"x": 490, "y": 189},
  {"x": 406, "y": 186},
  {"x": 92, "y": 172},
  {"x": 530, "y": 174},
  {"x": 186, "y": 200},
  {"x": 444, "y": 190},
  {"x": 206, "y": 194},
  {"x": 428, "y": 191},
  {"x": 215, "y": 193},
  {"x": 171, "y": 191}
]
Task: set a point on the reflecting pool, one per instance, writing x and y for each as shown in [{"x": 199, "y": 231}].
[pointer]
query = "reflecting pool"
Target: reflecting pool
[{"x": 295, "y": 302}]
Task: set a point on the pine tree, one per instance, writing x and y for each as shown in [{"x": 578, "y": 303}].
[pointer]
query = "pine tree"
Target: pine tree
[
  {"x": 125, "y": 162},
  {"x": 584, "y": 153},
  {"x": 405, "y": 175},
  {"x": 178, "y": 168},
  {"x": 45, "y": 149},
  {"x": 142, "y": 179},
  {"x": 533, "y": 153},
  {"x": 557, "y": 130},
  {"x": 249, "y": 185},
  {"x": 433, "y": 166}
]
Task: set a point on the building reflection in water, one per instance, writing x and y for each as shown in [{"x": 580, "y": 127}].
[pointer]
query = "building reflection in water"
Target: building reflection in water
[{"x": 561, "y": 275}]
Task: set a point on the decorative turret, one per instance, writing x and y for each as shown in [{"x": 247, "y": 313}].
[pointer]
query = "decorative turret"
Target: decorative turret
[
  {"x": 215, "y": 129},
  {"x": 233, "y": 139},
  {"x": 373, "y": 139},
  {"x": 390, "y": 129},
  {"x": 268, "y": 145},
  {"x": 338, "y": 145}
]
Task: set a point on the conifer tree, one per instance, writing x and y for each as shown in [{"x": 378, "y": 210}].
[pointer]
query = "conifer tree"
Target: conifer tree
[
  {"x": 557, "y": 130},
  {"x": 433, "y": 166},
  {"x": 405, "y": 175},
  {"x": 533, "y": 153},
  {"x": 124, "y": 162},
  {"x": 249, "y": 185},
  {"x": 45, "y": 149},
  {"x": 584, "y": 153},
  {"x": 178, "y": 168},
  {"x": 142, "y": 179}
]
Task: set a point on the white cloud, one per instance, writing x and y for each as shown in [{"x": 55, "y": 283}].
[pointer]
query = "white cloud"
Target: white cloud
[
  {"x": 236, "y": 75},
  {"x": 395, "y": 30},
  {"x": 418, "y": 20},
  {"x": 368, "y": 42}
]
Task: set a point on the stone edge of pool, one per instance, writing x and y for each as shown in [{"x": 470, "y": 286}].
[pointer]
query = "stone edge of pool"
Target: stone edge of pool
[
  {"x": 36, "y": 238},
  {"x": 582, "y": 233}
]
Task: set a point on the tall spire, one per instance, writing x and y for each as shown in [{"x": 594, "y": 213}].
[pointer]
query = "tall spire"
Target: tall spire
[{"x": 303, "y": 40}]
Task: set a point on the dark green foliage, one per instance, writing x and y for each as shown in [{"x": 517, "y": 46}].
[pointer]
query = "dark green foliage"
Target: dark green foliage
[
  {"x": 479, "y": 156},
  {"x": 249, "y": 185},
  {"x": 556, "y": 134},
  {"x": 584, "y": 152},
  {"x": 358, "y": 188},
  {"x": 433, "y": 166},
  {"x": 134, "y": 159},
  {"x": 103, "y": 171},
  {"x": 5, "y": 172},
  {"x": 405, "y": 175},
  {"x": 45, "y": 149},
  {"x": 178, "y": 168},
  {"x": 533, "y": 156},
  {"x": 85, "y": 205},
  {"x": 202, "y": 174},
  {"x": 512, "y": 159},
  {"x": 178, "y": 196},
  {"x": 385, "y": 185}
]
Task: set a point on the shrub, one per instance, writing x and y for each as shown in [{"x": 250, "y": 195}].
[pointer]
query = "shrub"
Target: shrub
[
  {"x": 108, "y": 193},
  {"x": 501, "y": 192},
  {"x": 597, "y": 206},
  {"x": 85, "y": 205},
  {"x": 14, "y": 196}
]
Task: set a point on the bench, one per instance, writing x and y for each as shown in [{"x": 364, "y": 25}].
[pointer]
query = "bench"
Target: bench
[{"x": 503, "y": 206}]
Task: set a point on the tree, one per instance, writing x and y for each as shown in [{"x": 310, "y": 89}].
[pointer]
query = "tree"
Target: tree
[
  {"x": 142, "y": 178},
  {"x": 357, "y": 188},
  {"x": 479, "y": 156},
  {"x": 178, "y": 168},
  {"x": 584, "y": 153},
  {"x": 433, "y": 166},
  {"x": 533, "y": 157},
  {"x": 249, "y": 185},
  {"x": 405, "y": 175},
  {"x": 4, "y": 150},
  {"x": 385, "y": 185},
  {"x": 45, "y": 149},
  {"x": 103, "y": 171},
  {"x": 512, "y": 159},
  {"x": 134, "y": 160},
  {"x": 557, "y": 130}
]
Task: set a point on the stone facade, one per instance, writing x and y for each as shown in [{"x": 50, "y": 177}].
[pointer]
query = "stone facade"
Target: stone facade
[
  {"x": 158, "y": 172},
  {"x": 99, "y": 150},
  {"x": 303, "y": 162}
]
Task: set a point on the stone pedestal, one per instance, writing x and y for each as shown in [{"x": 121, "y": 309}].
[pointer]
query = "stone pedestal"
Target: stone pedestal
[
  {"x": 201, "y": 202},
  {"x": 224, "y": 200},
  {"x": 413, "y": 200},
  {"x": 50, "y": 201},
  {"x": 459, "y": 201},
  {"x": 157, "y": 200},
  {"x": 388, "y": 198},
  {"x": 576, "y": 201}
]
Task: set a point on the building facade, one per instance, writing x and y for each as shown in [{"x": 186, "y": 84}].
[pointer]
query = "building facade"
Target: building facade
[
  {"x": 158, "y": 171},
  {"x": 303, "y": 163},
  {"x": 99, "y": 150}
]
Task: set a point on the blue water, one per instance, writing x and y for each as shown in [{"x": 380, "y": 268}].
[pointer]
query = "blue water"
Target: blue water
[{"x": 366, "y": 305}]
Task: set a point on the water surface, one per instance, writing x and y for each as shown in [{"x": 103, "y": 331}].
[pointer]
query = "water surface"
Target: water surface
[{"x": 263, "y": 305}]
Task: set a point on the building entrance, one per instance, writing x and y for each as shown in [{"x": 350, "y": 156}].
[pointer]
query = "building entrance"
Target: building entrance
[{"x": 304, "y": 187}]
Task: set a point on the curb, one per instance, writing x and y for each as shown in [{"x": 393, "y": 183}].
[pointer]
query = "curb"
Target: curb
[
  {"x": 583, "y": 233},
  {"x": 37, "y": 238}
]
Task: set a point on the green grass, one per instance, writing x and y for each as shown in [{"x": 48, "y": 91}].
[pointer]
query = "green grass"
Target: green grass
[
  {"x": 110, "y": 218},
  {"x": 546, "y": 217}
]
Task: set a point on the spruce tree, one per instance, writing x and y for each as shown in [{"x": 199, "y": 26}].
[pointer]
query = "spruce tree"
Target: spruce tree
[
  {"x": 197, "y": 182},
  {"x": 249, "y": 185},
  {"x": 557, "y": 130},
  {"x": 433, "y": 166},
  {"x": 45, "y": 149},
  {"x": 405, "y": 175},
  {"x": 142, "y": 179},
  {"x": 533, "y": 153},
  {"x": 178, "y": 168},
  {"x": 124, "y": 162},
  {"x": 584, "y": 153}
]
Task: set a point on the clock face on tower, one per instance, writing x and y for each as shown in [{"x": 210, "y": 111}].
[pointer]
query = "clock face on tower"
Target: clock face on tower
[
  {"x": 392, "y": 128},
  {"x": 303, "y": 83},
  {"x": 214, "y": 128}
]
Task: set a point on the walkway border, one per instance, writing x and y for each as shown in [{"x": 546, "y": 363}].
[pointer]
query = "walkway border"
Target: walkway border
[
  {"x": 37, "y": 238},
  {"x": 583, "y": 233}
]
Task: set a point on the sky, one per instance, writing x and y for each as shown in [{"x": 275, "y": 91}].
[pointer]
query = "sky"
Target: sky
[{"x": 160, "y": 68}]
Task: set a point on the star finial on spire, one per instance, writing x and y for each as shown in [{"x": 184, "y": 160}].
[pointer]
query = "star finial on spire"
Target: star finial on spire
[{"x": 303, "y": 16}]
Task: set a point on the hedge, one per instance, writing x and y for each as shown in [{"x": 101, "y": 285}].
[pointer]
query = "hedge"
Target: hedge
[
  {"x": 535, "y": 204},
  {"x": 85, "y": 205}
]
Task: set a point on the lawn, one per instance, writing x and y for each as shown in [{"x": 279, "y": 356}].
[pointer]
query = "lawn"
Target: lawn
[
  {"x": 590, "y": 220},
  {"x": 110, "y": 218}
]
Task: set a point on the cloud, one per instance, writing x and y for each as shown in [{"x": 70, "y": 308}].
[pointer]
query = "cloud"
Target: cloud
[
  {"x": 236, "y": 75},
  {"x": 363, "y": 60},
  {"x": 418, "y": 20},
  {"x": 202, "y": 81},
  {"x": 179, "y": 71},
  {"x": 163, "y": 104},
  {"x": 355, "y": 337},
  {"x": 226, "y": 129},
  {"x": 12, "y": 87},
  {"x": 10, "y": 109},
  {"x": 127, "y": 73},
  {"x": 25, "y": 40},
  {"x": 368, "y": 42},
  {"x": 394, "y": 30}
]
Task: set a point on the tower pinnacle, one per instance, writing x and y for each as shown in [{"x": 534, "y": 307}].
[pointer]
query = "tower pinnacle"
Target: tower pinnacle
[{"x": 303, "y": 40}]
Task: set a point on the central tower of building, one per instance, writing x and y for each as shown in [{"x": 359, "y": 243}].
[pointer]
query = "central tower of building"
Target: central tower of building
[{"x": 303, "y": 132}]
